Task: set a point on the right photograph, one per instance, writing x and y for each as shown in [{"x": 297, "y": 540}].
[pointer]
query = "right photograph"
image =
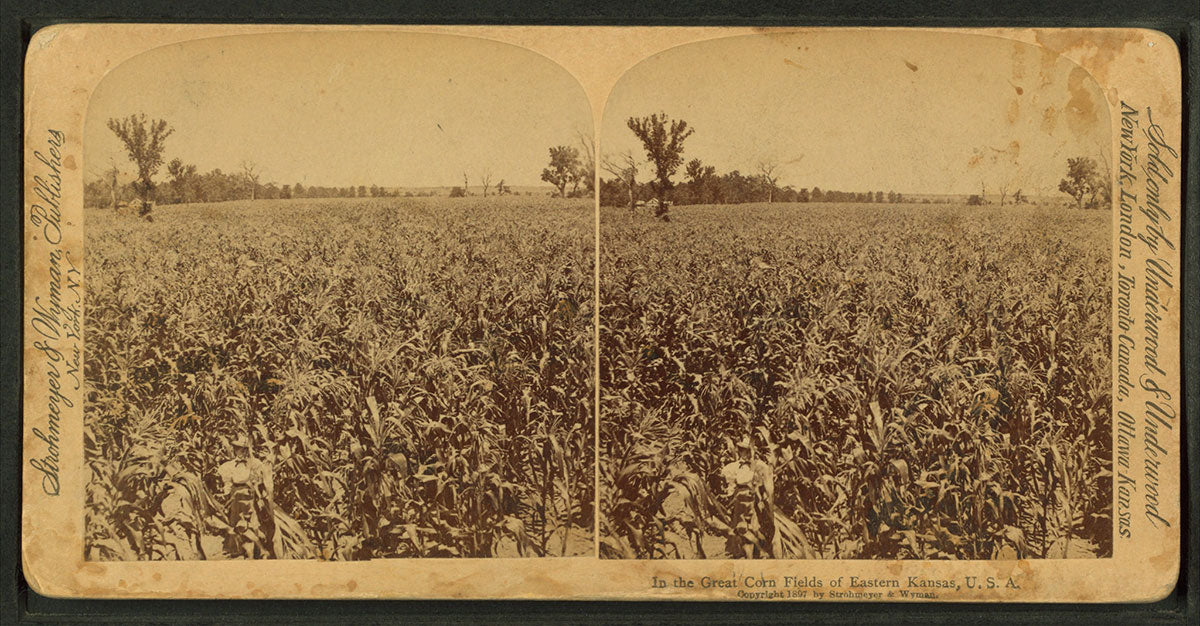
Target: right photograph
[{"x": 855, "y": 301}]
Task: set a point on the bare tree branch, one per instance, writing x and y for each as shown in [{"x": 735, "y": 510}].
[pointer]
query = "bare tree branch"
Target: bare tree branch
[
  {"x": 769, "y": 171},
  {"x": 485, "y": 179},
  {"x": 625, "y": 167},
  {"x": 251, "y": 174}
]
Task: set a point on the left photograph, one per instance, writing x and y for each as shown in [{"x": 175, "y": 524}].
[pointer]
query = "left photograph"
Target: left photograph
[{"x": 339, "y": 301}]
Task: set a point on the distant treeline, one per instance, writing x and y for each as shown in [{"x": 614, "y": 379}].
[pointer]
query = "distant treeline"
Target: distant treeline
[
  {"x": 185, "y": 184},
  {"x": 736, "y": 188}
]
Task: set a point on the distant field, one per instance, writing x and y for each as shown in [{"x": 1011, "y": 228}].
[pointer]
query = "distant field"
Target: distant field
[
  {"x": 416, "y": 372},
  {"x": 923, "y": 381}
]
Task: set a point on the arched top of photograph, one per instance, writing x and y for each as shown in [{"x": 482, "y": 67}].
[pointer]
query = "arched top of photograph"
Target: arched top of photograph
[
  {"x": 339, "y": 302},
  {"x": 885, "y": 282},
  {"x": 916, "y": 115},
  {"x": 347, "y": 113}
]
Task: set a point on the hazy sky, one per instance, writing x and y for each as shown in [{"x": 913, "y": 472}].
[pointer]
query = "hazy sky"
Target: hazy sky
[
  {"x": 910, "y": 111},
  {"x": 340, "y": 109}
]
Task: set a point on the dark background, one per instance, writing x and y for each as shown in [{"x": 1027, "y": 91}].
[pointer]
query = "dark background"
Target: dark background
[{"x": 1180, "y": 19}]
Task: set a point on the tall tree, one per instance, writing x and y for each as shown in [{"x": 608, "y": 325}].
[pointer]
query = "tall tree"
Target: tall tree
[
  {"x": 663, "y": 140},
  {"x": 564, "y": 168},
  {"x": 144, "y": 141},
  {"x": 1080, "y": 180}
]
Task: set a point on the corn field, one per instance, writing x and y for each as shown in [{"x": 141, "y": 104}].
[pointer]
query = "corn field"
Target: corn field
[
  {"x": 416, "y": 373},
  {"x": 919, "y": 382}
]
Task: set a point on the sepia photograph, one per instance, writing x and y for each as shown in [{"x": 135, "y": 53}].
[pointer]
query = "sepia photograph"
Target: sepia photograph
[
  {"x": 491, "y": 312},
  {"x": 855, "y": 301},
  {"x": 339, "y": 301}
]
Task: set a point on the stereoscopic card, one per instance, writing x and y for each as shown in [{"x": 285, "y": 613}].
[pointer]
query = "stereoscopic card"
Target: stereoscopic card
[{"x": 759, "y": 314}]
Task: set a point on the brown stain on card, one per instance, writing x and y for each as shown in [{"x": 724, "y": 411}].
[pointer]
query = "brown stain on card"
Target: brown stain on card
[
  {"x": 1090, "y": 54},
  {"x": 1048, "y": 60},
  {"x": 1165, "y": 561},
  {"x": 1018, "y": 59},
  {"x": 1167, "y": 107},
  {"x": 1081, "y": 107},
  {"x": 1099, "y": 47},
  {"x": 1014, "y": 111},
  {"x": 1049, "y": 119}
]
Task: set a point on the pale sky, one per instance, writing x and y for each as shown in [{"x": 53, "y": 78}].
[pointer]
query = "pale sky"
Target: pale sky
[
  {"x": 855, "y": 111},
  {"x": 339, "y": 109}
]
